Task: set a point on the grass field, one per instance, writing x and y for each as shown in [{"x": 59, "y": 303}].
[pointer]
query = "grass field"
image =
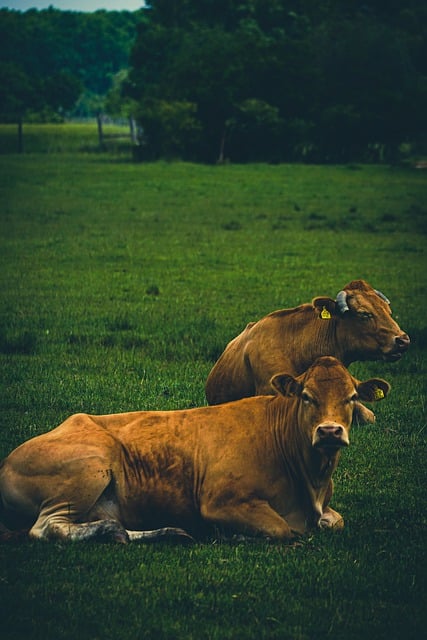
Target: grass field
[
  {"x": 54, "y": 138},
  {"x": 120, "y": 285}
]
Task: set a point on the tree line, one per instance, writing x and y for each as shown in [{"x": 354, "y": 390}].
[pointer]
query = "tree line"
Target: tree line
[
  {"x": 279, "y": 80},
  {"x": 54, "y": 63},
  {"x": 244, "y": 80}
]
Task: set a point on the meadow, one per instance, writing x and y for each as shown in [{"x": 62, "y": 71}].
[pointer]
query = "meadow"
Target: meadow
[{"x": 121, "y": 284}]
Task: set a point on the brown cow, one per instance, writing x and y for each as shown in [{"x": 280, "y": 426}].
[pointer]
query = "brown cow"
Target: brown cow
[
  {"x": 357, "y": 326},
  {"x": 260, "y": 466}
]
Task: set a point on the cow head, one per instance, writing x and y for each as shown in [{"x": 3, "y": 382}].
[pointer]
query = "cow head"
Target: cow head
[
  {"x": 364, "y": 316},
  {"x": 326, "y": 395}
]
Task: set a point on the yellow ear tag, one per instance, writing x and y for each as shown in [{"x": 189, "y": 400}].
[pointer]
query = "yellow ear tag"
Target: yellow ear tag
[
  {"x": 325, "y": 314},
  {"x": 378, "y": 394}
]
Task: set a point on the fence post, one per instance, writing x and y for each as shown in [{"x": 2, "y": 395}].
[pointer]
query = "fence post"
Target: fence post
[
  {"x": 100, "y": 131},
  {"x": 20, "y": 136},
  {"x": 133, "y": 130}
]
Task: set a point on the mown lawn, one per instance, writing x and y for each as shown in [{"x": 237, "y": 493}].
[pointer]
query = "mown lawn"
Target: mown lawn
[{"x": 120, "y": 285}]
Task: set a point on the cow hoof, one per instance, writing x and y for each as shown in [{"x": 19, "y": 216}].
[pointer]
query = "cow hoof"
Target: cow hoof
[
  {"x": 121, "y": 537},
  {"x": 329, "y": 523},
  {"x": 110, "y": 531}
]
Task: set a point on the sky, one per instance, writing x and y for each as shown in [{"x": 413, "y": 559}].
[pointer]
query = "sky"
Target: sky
[{"x": 73, "y": 5}]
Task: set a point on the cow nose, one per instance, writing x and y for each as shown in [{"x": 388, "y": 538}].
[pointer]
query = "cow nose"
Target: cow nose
[
  {"x": 403, "y": 341},
  {"x": 329, "y": 432}
]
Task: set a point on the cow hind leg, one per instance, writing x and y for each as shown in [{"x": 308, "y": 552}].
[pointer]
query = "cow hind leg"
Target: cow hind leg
[{"x": 62, "y": 528}]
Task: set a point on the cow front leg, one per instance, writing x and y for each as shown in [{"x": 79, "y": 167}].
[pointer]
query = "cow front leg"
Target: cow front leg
[
  {"x": 362, "y": 415},
  {"x": 253, "y": 517},
  {"x": 331, "y": 519}
]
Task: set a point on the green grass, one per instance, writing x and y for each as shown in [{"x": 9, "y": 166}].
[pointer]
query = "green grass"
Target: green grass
[
  {"x": 54, "y": 138},
  {"x": 120, "y": 285}
]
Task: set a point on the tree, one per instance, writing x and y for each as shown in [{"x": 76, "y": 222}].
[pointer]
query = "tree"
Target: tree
[
  {"x": 17, "y": 92},
  {"x": 371, "y": 90},
  {"x": 254, "y": 131},
  {"x": 288, "y": 78},
  {"x": 21, "y": 94},
  {"x": 60, "y": 91},
  {"x": 65, "y": 51},
  {"x": 203, "y": 65},
  {"x": 116, "y": 103},
  {"x": 171, "y": 129}
]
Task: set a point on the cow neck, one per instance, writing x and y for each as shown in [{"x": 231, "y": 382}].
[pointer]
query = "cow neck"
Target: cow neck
[
  {"x": 318, "y": 464},
  {"x": 308, "y": 345},
  {"x": 347, "y": 355},
  {"x": 308, "y": 469},
  {"x": 322, "y": 465},
  {"x": 326, "y": 341}
]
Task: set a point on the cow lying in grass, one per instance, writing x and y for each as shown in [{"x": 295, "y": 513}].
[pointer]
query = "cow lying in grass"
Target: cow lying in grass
[
  {"x": 356, "y": 326},
  {"x": 261, "y": 466}
]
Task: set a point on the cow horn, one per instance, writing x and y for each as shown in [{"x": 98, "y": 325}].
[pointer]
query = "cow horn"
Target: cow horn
[
  {"x": 382, "y": 296},
  {"x": 342, "y": 302}
]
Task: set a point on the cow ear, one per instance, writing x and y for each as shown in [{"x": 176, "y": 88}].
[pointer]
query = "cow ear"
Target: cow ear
[
  {"x": 325, "y": 307},
  {"x": 373, "y": 389},
  {"x": 286, "y": 384}
]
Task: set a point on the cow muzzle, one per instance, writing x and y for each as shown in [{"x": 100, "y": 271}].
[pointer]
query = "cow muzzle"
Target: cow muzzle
[
  {"x": 330, "y": 435},
  {"x": 401, "y": 345}
]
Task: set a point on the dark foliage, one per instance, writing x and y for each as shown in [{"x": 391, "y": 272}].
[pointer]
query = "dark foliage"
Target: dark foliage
[
  {"x": 49, "y": 57},
  {"x": 244, "y": 80},
  {"x": 280, "y": 80}
]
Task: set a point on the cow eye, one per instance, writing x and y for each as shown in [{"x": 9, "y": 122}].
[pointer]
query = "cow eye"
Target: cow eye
[
  {"x": 305, "y": 398},
  {"x": 365, "y": 315}
]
